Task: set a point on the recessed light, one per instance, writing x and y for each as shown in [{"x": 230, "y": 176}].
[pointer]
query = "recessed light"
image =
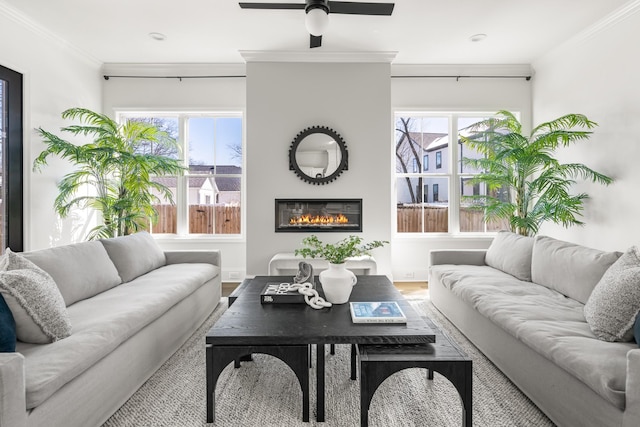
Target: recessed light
[
  {"x": 157, "y": 36},
  {"x": 478, "y": 37}
]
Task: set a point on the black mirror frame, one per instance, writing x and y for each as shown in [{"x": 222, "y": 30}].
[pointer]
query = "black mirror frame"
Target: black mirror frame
[{"x": 344, "y": 161}]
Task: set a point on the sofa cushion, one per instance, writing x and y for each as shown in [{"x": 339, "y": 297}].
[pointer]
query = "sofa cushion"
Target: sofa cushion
[
  {"x": 7, "y": 328},
  {"x": 511, "y": 253},
  {"x": 546, "y": 321},
  {"x": 80, "y": 271},
  {"x": 614, "y": 304},
  {"x": 34, "y": 300},
  {"x": 134, "y": 255},
  {"x": 573, "y": 270},
  {"x": 103, "y": 322}
]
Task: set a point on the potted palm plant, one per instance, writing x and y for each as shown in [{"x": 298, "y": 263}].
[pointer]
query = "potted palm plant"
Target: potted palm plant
[
  {"x": 115, "y": 166},
  {"x": 337, "y": 282},
  {"x": 526, "y": 184}
]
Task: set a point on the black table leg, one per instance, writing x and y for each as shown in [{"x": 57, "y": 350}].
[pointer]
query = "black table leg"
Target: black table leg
[
  {"x": 295, "y": 356},
  {"x": 320, "y": 382},
  {"x": 354, "y": 361}
]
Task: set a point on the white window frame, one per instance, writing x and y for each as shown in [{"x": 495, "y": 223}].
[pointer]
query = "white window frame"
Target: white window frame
[
  {"x": 182, "y": 190},
  {"x": 454, "y": 176}
]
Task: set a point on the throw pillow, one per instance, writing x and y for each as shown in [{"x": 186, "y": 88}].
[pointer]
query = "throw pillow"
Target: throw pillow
[
  {"x": 80, "y": 270},
  {"x": 34, "y": 300},
  {"x": 511, "y": 253},
  {"x": 571, "y": 269},
  {"x": 614, "y": 304},
  {"x": 7, "y": 328},
  {"x": 636, "y": 330},
  {"x": 134, "y": 255}
]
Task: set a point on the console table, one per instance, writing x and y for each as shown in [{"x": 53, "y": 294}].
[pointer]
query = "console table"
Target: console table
[{"x": 286, "y": 264}]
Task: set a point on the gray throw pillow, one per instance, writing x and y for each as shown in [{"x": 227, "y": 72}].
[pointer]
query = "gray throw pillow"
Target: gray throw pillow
[
  {"x": 34, "y": 299},
  {"x": 511, "y": 253},
  {"x": 80, "y": 270},
  {"x": 614, "y": 304},
  {"x": 569, "y": 268},
  {"x": 134, "y": 255}
]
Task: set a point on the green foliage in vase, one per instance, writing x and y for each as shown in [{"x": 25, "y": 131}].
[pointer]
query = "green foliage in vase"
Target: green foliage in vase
[
  {"x": 338, "y": 252},
  {"x": 120, "y": 175},
  {"x": 526, "y": 184}
]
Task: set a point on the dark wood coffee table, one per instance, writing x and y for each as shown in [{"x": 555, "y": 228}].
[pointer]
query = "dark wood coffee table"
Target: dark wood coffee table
[{"x": 285, "y": 330}]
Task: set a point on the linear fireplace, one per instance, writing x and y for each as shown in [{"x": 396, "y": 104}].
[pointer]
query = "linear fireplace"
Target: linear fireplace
[{"x": 318, "y": 215}]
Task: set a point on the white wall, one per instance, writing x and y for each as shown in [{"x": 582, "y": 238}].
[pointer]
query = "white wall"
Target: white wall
[
  {"x": 198, "y": 94},
  {"x": 56, "y": 78},
  {"x": 410, "y": 256},
  {"x": 283, "y": 98},
  {"x": 596, "y": 74}
]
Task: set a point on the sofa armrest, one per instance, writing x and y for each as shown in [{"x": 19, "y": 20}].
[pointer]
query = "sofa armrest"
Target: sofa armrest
[
  {"x": 212, "y": 256},
  {"x": 13, "y": 412},
  {"x": 631, "y": 415},
  {"x": 457, "y": 256}
]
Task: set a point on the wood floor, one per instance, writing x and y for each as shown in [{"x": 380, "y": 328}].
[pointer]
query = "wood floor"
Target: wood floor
[{"x": 413, "y": 290}]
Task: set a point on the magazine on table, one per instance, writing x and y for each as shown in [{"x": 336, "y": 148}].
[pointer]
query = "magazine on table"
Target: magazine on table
[{"x": 377, "y": 312}]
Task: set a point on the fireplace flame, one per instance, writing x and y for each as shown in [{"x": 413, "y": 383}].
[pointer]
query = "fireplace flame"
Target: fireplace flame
[{"x": 318, "y": 219}]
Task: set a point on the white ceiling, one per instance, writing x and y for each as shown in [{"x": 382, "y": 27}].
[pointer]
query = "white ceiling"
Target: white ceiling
[{"x": 214, "y": 31}]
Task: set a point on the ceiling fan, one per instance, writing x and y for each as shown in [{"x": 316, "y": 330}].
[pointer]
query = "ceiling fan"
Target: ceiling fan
[{"x": 317, "y": 13}]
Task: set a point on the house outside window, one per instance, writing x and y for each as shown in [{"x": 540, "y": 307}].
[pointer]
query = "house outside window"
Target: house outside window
[
  {"x": 416, "y": 168},
  {"x": 208, "y": 195},
  {"x": 447, "y": 209}
]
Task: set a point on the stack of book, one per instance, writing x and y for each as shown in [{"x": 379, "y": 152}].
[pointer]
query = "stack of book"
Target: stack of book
[{"x": 280, "y": 293}]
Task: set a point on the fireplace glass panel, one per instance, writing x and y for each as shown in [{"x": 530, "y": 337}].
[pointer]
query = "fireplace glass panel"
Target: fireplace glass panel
[{"x": 318, "y": 215}]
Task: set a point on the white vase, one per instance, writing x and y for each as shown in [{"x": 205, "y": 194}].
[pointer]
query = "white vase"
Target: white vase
[{"x": 337, "y": 283}]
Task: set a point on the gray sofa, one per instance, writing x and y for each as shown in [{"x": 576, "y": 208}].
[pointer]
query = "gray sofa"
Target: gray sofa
[
  {"x": 521, "y": 302},
  {"x": 130, "y": 305}
]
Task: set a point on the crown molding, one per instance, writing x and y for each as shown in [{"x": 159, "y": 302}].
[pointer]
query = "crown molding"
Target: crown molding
[
  {"x": 30, "y": 25},
  {"x": 626, "y": 11},
  {"x": 311, "y": 56}
]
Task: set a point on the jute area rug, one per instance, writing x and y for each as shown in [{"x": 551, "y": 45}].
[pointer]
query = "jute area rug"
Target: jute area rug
[{"x": 265, "y": 392}]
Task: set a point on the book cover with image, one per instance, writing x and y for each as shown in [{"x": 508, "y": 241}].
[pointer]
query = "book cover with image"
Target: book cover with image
[
  {"x": 377, "y": 312},
  {"x": 280, "y": 293}
]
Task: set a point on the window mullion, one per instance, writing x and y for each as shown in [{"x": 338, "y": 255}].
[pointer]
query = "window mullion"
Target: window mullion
[
  {"x": 454, "y": 184},
  {"x": 182, "y": 187}
]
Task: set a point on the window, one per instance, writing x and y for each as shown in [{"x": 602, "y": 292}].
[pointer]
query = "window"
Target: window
[
  {"x": 449, "y": 207},
  {"x": 208, "y": 196},
  {"x": 416, "y": 168},
  {"x": 11, "y": 214}
]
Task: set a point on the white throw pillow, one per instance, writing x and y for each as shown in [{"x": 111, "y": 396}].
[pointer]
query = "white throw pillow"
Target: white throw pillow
[
  {"x": 571, "y": 269},
  {"x": 511, "y": 253},
  {"x": 613, "y": 306},
  {"x": 34, "y": 300},
  {"x": 134, "y": 255}
]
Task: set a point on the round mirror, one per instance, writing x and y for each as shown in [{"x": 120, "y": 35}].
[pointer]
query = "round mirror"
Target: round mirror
[{"x": 318, "y": 155}]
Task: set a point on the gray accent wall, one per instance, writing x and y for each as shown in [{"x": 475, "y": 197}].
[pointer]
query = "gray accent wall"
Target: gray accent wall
[{"x": 283, "y": 98}]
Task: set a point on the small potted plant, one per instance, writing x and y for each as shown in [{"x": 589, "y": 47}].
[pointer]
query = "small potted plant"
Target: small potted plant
[{"x": 337, "y": 282}]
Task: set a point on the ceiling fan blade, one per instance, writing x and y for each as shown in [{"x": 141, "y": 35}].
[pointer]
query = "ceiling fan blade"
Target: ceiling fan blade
[
  {"x": 315, "y": 41},
  {"x": 355, "y": 8},
  {"x": 272, "y": 5}
]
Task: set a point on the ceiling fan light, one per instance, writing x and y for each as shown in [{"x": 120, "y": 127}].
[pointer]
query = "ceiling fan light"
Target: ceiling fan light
[{"x": 317, "y": 21}]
